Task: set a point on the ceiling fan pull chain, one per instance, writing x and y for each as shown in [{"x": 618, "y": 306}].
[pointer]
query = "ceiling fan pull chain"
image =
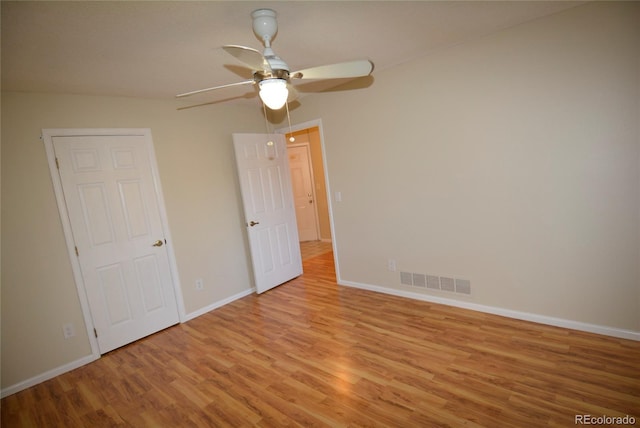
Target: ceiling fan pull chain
[
  {"x": 266, "y": 123},
  {"x": 291, "y": 137}
]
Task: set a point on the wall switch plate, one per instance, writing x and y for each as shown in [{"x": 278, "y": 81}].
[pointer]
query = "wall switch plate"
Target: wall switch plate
[
  {"x": 391, "y": 265},
  {"x": 199, "y": 284},
  {"x": 68, "y": 330}
]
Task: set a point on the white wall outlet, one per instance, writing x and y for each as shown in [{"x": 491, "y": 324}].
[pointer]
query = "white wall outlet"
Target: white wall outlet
[
  {"x": 199, "y": 284},
  {"x": 68, "y": 330},
  {"x": 391, "y": 265},
  {"x": 338, "y": 196}
]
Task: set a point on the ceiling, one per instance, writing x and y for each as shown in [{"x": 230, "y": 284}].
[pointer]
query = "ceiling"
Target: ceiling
[{"x": 157, "y": 49}]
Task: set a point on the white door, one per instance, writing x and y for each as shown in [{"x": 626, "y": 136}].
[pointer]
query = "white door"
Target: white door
[
  {"x": 270, "y": 216},
  {"x": 113, "y": 208},
  {"x": 303, "y": 192}
]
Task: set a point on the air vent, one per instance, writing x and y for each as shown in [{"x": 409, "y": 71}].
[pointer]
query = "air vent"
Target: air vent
[
  {"x": 463, "y": 286},
  {"x": 419, "y": 280},
  {"x": 447, "y": 284},
  {"x": 406, "y": 278},
  {"x": 433, "y": 282}
]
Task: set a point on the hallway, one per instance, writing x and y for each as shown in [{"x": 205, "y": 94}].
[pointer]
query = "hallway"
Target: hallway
[{"x": 310, "y": 249}]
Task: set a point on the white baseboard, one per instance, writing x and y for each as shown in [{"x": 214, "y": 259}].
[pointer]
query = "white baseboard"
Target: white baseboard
[
  {"x": 218, "y": 304},
  {"x": 47, "y": 375},
  {"x": 541, "y": 319},
  {"x": 525, "y": 316}
]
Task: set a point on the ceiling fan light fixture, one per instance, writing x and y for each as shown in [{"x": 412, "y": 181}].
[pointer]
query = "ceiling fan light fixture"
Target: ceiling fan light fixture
[{"x": 274, "y": 93}]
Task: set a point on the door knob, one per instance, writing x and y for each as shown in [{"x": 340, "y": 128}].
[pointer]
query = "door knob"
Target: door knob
[
  {"x": 158, "y": 243},
  {"x": 253, "y": 223}
]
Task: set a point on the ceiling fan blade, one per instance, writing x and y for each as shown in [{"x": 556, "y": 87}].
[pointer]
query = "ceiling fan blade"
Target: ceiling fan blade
[
  {"x": 186, "y": 94},
  {"x": 336, "y": 71},
  {"x": 251, "y": 57},
  {"x": 293, "y": 93}
]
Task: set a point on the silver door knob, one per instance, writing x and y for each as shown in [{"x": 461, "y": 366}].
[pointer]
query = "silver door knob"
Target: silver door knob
[{"x": 158, "y": 243}]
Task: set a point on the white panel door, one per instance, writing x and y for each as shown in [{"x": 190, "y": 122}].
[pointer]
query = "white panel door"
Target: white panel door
[
  {"x": 113, "y": 208},
  {"x": 303, "y": 194},
  {"x": 270, "y": 217}
]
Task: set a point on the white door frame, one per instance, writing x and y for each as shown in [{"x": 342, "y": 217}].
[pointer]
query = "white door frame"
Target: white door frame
[
  {"x": 47, "y": 137},
  {"x": 313, "y": 183},
  {"x": 311, "y": 124}
]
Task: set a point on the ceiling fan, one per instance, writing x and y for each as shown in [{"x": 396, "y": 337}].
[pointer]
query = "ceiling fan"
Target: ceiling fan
[{"x": 272, "y": 74}]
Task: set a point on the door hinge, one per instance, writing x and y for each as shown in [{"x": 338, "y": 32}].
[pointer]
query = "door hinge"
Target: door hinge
[
  {"x": 57, "y": 164},
  {"x": 77, "y": 252},
  {"x": 95, "y": 333}
]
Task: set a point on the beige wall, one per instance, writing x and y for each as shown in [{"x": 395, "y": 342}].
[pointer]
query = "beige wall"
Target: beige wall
[
  {"x": 512, "y": 161},
  {"x": 195, "y": 158}
]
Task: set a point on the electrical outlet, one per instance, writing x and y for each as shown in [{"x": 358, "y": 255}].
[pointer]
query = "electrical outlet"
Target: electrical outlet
[
  {"x": 199, "y": 284},
  {"x": 68, "y": 330},
  {"x": 391, "y": 265}
]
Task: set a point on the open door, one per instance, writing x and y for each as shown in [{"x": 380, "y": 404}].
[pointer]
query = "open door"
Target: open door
[{"x": 270, "y": 218}]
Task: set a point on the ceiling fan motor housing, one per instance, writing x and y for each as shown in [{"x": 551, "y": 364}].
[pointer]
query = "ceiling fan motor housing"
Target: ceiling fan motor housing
[{"x": 264, "y": 24}]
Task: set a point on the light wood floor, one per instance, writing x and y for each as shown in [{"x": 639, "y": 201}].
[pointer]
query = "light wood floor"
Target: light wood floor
[
  {"x": 311, "y": 249},
  {"x": 311, "y": 353}
]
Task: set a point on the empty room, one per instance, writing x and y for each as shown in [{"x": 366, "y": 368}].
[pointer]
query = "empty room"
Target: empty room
[{"x": 320, "y": 213}]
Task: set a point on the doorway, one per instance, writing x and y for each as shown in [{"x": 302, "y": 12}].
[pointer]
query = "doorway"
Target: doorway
[
  {"x": 310, "y": 133},
  {"x": 304, "y": 193},
  {"x": 308, "y": 143}
]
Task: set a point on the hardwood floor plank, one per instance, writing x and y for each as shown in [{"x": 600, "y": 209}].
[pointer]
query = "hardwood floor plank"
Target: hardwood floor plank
[{"x": 312, "y": 353}]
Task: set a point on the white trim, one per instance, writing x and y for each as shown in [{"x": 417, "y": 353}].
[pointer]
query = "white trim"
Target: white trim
[
  {"x": 47, "y": 138},
  {"x": 42, "y": 377},
  {"x": 509, "y": 313},
  {"x": 219, "y": 304}
]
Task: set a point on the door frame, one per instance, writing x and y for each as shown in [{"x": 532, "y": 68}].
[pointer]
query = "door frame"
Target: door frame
[
  {"x": 313, "y": 183},
  {"x": 47, "y": 137},
  {"x": 311, "y": 124}
]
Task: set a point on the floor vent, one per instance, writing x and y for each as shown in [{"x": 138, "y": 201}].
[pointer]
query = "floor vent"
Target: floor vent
[{"x": 434, "y": 282}]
